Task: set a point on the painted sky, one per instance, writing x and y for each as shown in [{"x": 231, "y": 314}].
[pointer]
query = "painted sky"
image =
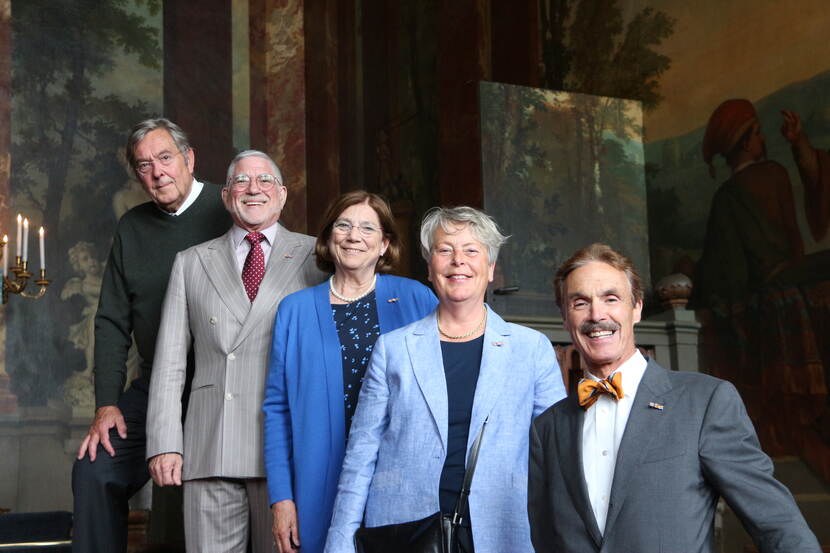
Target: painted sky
[{"x": 736, "y": 48}]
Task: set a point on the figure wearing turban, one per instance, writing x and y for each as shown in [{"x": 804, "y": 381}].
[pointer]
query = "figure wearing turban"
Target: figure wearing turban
[{"x": 752, "y": 236}]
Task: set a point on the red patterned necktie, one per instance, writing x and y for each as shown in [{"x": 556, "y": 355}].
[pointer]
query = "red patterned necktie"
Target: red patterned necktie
[
  {"x": 589, "y": 390},
  {"x": 254, "y": 268}
]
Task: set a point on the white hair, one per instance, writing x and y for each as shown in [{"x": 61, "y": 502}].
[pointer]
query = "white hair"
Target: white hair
[
  {"x": 483, "y": 227},
  {"x": 253, "y": 153}
]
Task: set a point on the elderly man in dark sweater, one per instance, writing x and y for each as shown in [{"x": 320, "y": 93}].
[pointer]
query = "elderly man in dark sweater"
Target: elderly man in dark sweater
[{"x": 183, "y": 212}]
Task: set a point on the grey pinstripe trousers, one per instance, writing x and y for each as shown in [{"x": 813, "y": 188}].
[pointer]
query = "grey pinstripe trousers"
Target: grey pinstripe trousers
[{"x": 219, "y": 513}]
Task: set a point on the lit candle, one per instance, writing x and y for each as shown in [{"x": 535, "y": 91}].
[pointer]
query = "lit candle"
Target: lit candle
[
  {"x": 5, "y": 256},
  {"x": 42, "y": 250},
  {"x": 19, "y": 235},
  {"x": 25, "y": 240}
]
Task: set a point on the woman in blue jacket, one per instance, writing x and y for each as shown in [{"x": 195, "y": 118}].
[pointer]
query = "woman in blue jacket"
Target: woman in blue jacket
[{"x": 323, "y": 339}]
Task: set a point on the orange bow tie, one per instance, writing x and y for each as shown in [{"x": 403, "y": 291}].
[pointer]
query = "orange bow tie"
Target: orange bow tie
[{"x": 589, "y": 390}]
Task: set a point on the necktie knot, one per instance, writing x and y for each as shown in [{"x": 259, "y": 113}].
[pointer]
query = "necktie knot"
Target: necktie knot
[
  {"x": 589, "y": 390},
  {"x": 254, "y": 237}
]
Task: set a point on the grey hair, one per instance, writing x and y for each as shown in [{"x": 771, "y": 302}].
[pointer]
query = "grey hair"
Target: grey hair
[
  {"x": 253, "y": 153},
  {"x": 141, "y": 130},
  {"x": 483, "y": 227}
]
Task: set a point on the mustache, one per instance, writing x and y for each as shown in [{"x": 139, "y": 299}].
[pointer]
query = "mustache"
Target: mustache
[{"x": 588, "y": 326}]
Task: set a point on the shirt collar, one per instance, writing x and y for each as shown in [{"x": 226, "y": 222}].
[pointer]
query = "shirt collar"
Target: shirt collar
[
  {"x": 195, "y": 190},
  {"x": 238, "y": 234},
  {"x": 632, "y": 371}
]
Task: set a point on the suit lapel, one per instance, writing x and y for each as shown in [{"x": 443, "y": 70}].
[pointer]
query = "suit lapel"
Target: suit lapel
[
  {"x": 219, "y": 263},
  {"x": 424, "y": 350},
  {"x": 643, "y": 424},
  {"x": 569, "y": 447},
  {"x": 495, "y": 355},
  {"x": 283, "y": 263},
  {"x": 332, "y": 365},
  {"x": 388, "y": 312}
]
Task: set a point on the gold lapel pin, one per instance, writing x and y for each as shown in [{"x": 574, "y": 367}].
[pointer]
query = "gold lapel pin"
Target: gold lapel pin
[
  {"x": 391, "y": 300},
  {"x": 288, "y": 256},
  {"x": 497, "y": 344},
  {"x": 658, "y": 406}
]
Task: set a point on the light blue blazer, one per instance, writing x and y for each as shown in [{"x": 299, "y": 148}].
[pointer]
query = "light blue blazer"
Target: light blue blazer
[
  {"x": 398, "y": 439},
  {"x": 305, "y": 428}
]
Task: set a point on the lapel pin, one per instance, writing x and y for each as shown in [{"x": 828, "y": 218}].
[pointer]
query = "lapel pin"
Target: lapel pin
[
  {"x": 653, "y": 405},
  {"x": 391, "y": 300},
  {"x": 497, "y": 344},
  {"x": 288, "y": 256}
]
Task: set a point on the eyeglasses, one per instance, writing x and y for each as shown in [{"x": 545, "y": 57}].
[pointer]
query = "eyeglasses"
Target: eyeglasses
[
  {"x": 265, "y": 181},
  {"x": 345, "y": 227},
  {"x": 164, "y": 159}
]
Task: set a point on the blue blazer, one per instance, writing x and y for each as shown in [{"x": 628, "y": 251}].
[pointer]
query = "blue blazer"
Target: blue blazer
[
  {"x": 398, "y": 439},
  {"x": 305, "y": 427}
]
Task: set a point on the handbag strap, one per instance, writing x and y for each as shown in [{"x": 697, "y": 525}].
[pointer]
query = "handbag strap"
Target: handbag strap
[{"x": 462, "y": 504}]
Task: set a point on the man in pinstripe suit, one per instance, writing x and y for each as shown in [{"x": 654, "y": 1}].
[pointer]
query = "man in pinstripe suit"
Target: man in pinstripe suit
[{"x": 220, "y": 303}]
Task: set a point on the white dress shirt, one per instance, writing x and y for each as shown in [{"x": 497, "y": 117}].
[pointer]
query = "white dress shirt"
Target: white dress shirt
[
  {"x": 602, "y": 431},
  {"x": 242, "y": 246},
  {"x": 195, "y": 190}
]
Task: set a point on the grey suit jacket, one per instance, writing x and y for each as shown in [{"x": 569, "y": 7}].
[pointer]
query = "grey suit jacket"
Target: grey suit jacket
[
  {"x": 206, "y": 308},
  {"x": 672, "y": 465}
]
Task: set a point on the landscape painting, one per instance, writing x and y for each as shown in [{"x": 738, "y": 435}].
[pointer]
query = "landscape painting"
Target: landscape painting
[{"x": 560, "y": 170}]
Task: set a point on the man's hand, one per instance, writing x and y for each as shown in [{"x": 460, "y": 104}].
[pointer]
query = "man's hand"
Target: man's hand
[
  {"x": 286, "y": 533},
  {"x": 791, "y": 126},
  {"x": 99, "y": 432},
  {"x": 166, "y": 469}
]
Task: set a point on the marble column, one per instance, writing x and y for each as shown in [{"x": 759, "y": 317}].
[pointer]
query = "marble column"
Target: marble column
[
  {"x": 8, "y": 401},
  {"x": 464, "y": 60},
  {"x": 278, "y": 96},
  {"x": 198, "y": 80}
]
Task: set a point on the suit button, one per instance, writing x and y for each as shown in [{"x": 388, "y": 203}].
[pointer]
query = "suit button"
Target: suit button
[
  {"x": 228, "y": 396},
  {"x": 231, "y": 356},
  {"x": 605, "y": 453},
  {"x": 213, "y": 320}
]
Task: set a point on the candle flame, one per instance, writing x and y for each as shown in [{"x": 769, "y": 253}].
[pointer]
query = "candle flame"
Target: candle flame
[
  {"x": 19, "y": 217},
  {"x": 26, "y": 222},
  {"x": 41, "y": 231}
]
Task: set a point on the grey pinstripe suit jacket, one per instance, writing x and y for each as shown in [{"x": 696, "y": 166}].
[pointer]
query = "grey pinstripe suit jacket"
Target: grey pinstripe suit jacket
[{"x": 206, "y": 308}]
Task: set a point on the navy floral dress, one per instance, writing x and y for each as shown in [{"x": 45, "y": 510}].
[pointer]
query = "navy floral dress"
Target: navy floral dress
[{"x": 358, "y": 329}]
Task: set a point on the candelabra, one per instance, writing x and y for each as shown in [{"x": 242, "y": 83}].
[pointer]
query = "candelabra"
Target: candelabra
[{"x": 16, "y": 277}]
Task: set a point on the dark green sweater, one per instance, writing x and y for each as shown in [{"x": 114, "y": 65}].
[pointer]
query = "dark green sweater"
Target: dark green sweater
[{"x": 135, "y": 281}]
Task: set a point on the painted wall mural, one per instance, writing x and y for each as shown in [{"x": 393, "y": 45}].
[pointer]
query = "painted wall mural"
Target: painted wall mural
[
  {"x": 82, "y": 74},
  {"x": 560, "y": 170},
  {"x": 751, "y": 228}
]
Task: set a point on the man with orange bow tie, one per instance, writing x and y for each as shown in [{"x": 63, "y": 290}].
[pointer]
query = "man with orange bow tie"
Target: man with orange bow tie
[{"x": 637, "y": 460}]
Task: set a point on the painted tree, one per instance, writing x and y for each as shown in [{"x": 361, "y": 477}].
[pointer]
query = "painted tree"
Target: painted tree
[
  {"x": 66, "y": 133},
  {"x": 588, "y": 48}
]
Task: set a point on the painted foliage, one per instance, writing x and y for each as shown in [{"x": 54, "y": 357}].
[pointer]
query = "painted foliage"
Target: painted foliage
[
  {"x": 83, "y": 73},
  {"x": 560, "y": 170}
]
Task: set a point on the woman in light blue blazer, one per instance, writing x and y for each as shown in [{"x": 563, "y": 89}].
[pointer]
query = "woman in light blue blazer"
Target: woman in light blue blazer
[
  {"x": 429, "y": 390},
  {"x": 323, "y": 338}
]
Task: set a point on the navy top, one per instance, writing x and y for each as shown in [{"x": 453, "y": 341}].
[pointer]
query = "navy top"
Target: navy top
[
  {"x": 358, "y": 329},
  {"x": 462, "y": 361}
]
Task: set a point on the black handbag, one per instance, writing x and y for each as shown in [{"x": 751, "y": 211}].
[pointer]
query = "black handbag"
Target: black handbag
[{"x": 433, "y": 534}]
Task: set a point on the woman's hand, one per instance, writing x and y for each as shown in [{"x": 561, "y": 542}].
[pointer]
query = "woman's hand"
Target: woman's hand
[{"x": 285, "y": 530}]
